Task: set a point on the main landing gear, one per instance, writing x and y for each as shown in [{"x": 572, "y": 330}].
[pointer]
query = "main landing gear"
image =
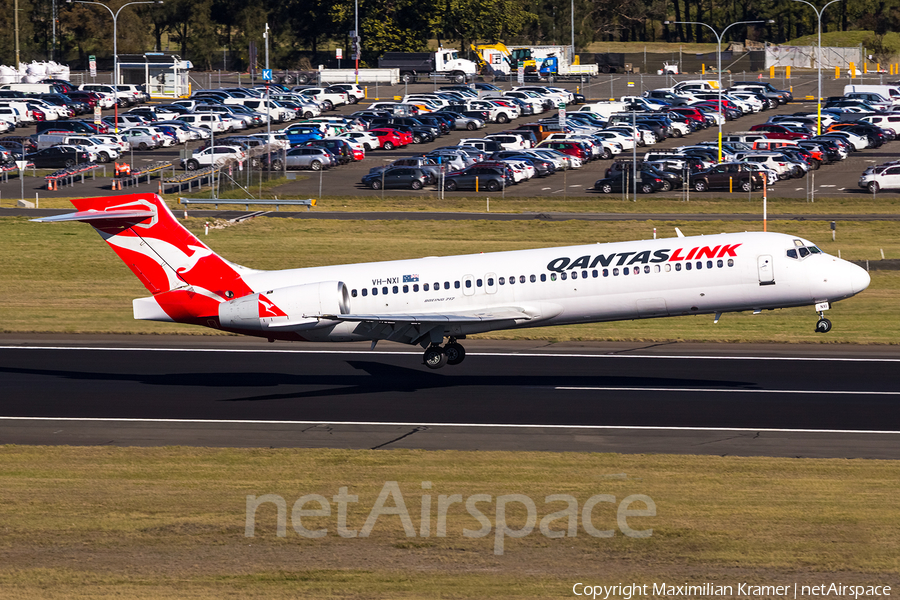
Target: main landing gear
[{"x": 437, "y": 356}]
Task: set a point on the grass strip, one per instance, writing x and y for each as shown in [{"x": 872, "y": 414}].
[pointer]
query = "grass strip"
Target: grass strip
[{"x": 170, "y": 522}]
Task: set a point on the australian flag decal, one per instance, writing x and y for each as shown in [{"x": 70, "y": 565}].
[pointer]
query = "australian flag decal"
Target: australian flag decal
[{"x": 410, "y": 278}]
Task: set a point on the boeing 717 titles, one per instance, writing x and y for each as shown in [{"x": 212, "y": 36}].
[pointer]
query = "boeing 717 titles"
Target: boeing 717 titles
[{"x": 426, "y": 301}]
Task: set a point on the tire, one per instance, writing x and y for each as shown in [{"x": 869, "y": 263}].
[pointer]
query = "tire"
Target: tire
[
  {"x": 471, "y": 126},
  {"x": 388, "y": 146},
  {"x": 70, "y": 162},
  {"x": 459, "y": 78},
  {"x": 666, "y": 186},
  {"x": 287, "y": 79},
  {"x": 417, "y": 139},
  {"x": 277, "y": 165},
  {"x": 502, "y": 119},
  {"x": 328, "y": 104},
  {"x": 676, "y": 133},
  {"x": 874, "y": 187},
  {"x": 416, "y": 184},
  {"x": 302, "y": 79},
  {"x": 606, "y": 154},
  {"x": 406, "y": 77},
  {"x": 797, "y": 172},
  {"x": 701, "y": 186},
  {"x": 450, "y": 186},
  {"x": 192, "y": 165},
  {"x": 455, "y": 353},
  {"x": 746, "y": 186},
  {"x": 646, "y": 188},
  {"x": 315, "y": 165},
  {"x": 142, "y": 146},
  {"x": 435, "y": 357},
  {"x": 606, "y": 188},
  {"x": 376, "y": 184},
  {"x": 307, "y": 115},
  {"x": 492, "y": 185},
  {"x": 103, "y": 157}
]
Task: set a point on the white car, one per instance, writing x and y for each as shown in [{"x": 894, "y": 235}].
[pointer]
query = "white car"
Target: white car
[
  {"x": 566, "y": 161},
  {"x": 887, "y": 178},
  {"x": 143, "y": 138},
  {"x": 626, "y": 140},
  {"x": 756, "y": 105},
  {"x": 209, "y": 121},
  {"x": 890, "y": 121},
  {"x": 354, "y": 92},
  {"x": 369, "y": 141},
  {"x": 119, "y": 141},
  {"x": 104, "y": 150},
  {"x": 509, "y": 141},
  {"x": 770, "y": 160},
  {"x": 215, "y": 155},
  {"x": 329, "y": 99},
  {"x": 278, "y": 140}
]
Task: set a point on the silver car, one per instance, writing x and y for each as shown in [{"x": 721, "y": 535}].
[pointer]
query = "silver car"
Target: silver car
[{"x": 306, "y": 157}]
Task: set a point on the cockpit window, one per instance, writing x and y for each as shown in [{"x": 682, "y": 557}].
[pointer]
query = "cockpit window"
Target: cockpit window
[
  {"x": 815, "y": 250},
  {"x": 792, "y": 253},
  {"x": 801, "y": 250}
]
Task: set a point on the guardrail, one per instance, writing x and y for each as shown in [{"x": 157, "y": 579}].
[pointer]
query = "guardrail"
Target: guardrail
[
  {"x": 276, "y": 201},
  {"x": 135, "y": 177},
  {"x": 68, "y": 175}
]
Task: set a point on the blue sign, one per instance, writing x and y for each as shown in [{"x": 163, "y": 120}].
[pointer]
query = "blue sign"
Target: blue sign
[{"x": 267, "y": 74}]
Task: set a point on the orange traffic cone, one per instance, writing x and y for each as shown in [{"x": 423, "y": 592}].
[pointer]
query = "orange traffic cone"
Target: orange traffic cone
[
  {"x": 49, "y": 185},
  {"x": 114, "y": 184}
]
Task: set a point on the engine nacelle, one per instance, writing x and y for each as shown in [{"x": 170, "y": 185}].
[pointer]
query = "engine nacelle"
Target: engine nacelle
[{"x": 291, "y": 308}]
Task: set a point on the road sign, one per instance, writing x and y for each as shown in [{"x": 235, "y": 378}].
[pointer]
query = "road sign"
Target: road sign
[
  {"x": 92, "y": 62},
  {"x": 562, "y": 115},
  {"x": 339, "y": 53},
  {"x": 520, "y": 76},
  {"x": 267, "y": 74},
  {"x": 21, "y": 164},
  {"x": 98, "y": 118}
]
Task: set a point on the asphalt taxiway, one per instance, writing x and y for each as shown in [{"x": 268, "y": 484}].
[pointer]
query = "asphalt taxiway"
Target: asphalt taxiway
[{"x": 727, "y": 399}]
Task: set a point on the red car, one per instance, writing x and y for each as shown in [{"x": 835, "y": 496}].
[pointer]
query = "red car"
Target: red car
[
  {"x": 690, "y": 113},
  {"x": 779, "y": 132},
  {"x": 391, "y": 138},
  {"x": 87, "y": 97},
  {"x": 99, "y": 128},
  {"x": 570, "y": 148}
]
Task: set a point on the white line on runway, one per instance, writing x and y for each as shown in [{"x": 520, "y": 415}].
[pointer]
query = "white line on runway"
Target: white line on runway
[
  {"x": 476, "y": 425},
  {"x": 405, "y": 353},
  {"x": 725, "y": 390}
]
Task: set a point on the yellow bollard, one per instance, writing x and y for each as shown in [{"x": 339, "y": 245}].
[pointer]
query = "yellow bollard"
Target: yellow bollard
[
  {"x": 787, "y": 71},
  {"x": 730, "y": 185},
  {"x": 837, "y": 72},
  {"x": 476, "y": 184},
  {"x": 852, "y": 70},
  {"x": 702, "y": 69},
  {"x": 772, "y": 72},
  {"x": 877, "y": 67}
]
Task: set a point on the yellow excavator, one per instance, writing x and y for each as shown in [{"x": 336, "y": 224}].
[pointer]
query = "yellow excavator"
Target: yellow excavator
[{"x": 510, "y": 60}]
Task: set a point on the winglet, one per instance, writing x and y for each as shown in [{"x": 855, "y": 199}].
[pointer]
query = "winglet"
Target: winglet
[{"x": 678, "y": 231}]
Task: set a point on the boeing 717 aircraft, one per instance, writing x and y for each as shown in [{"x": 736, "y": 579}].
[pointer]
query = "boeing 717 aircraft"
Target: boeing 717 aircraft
[{"x": 425, "y": 301}]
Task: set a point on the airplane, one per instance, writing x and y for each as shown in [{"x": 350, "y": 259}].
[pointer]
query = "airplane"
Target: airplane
[{"x": 424, "y": 301}]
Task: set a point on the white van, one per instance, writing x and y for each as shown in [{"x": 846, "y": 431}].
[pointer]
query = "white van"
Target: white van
[
  {"x": 31, "y": 88},
  {"x": 891, "y": 92},
  {"x": 210, "y": 121},
  {"x": 105, "y": 151},
  {"x": 277, "y": 113},
  {"x": 604, "y": 109},
  {"x": 20, "y": 111}
]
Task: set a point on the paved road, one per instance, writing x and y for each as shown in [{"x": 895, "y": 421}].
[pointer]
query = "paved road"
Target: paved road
[
  {"x": 838, "y": 179},
  {"x": 676, "y": 398}
]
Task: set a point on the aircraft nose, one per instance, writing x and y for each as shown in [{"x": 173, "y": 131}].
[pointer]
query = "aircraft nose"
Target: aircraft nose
[{"x": 859, "y": 279}]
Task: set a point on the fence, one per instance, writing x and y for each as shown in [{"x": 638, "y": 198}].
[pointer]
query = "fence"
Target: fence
[{"x": 804, "y": 57}]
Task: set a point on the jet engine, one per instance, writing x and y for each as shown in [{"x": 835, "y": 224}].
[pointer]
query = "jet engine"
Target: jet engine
[{"x": 290, "y": 308}]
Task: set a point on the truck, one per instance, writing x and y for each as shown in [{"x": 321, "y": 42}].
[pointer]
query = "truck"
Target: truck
[
  {"x": 537, "y": 61},
  {"x": 444, "y": 64}
]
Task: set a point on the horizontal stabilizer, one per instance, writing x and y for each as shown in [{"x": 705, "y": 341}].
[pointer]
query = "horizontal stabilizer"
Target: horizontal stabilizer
[{"x": 114, "y": 216}]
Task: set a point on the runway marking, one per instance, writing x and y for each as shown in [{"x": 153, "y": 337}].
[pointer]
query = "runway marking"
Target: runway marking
[
  {"x": 406, "y": 353},
  {"x": 726, "y": 390},
  {"x": 474, "y": 425}
]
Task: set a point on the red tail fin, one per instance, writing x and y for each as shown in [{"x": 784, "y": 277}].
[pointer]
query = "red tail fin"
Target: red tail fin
[{"x": 187, "y": 279}]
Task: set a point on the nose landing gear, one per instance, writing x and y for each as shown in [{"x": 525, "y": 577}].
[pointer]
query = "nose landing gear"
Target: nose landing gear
[
  {"x": 823, "y": 325},
  {"x": 437, "y": 356}
]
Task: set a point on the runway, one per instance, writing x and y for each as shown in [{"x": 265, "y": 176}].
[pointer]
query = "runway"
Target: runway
[{"x": 775, "y": 400}]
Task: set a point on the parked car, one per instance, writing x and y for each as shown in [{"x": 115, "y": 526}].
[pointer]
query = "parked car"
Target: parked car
[
  {"x": 479, "y": 177},
  {"x": 884, "y": 179},
  {"x": 647, "y": 182},
  {"x": 389, "y": 138},
  {"x": 306, "y": 157},
  {"x": 397, "y": 177},
  {"x": 732, "y": 175},
  {"x": 58, "y": 157},
  {"x": 215, "y": 155}
]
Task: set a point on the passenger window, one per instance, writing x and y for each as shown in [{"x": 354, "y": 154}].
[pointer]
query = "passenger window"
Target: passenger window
[
  {"x": 437, "y": 286},
  {"x": 396, "y": 290},
  {"x": 730, "y": 262},
  {"x": 687, "y": 266},
  {"x": 668, "y": 268},
  {"x": 615, "y": 272},
  {"x": 624, "y": 270},
  {"x": 405, "y": 289},
  {"x": 719, "y": 263},
  {"x": 446, "y": 285},
  {"x": 365, "y": 292},
  {"x": 533, "y": 279},
  {"x": 374, "y": 291},
  {"x": 677, "y": 266},
  {"x": 543, "y": 277},
  {"x": 521, "y": 279},
  {"x": 353, "y": 293},
  {"x": 456, "y": 284},
  {"x": 490, "y": 282},
  {"x": 416, "y": 287},
  {"x": 562, "y": 276},
  {"x": 501, "y": 280},
  {"x": 574, "y": 274},
  {"x": 606, "y": 272},
  {"x": 584, "y": 274},
  {"x": 647, "y": 268},
  {"x": 709, "y": 264},
  {"x": 595, "y": 273},
  {"x": 468, "y": 283},
  {"x": 384, "y": 290},
  {"x": 699, "y": 264},
  {"x": 425, "y": 287},
  {"x": 512, "y": 280}
]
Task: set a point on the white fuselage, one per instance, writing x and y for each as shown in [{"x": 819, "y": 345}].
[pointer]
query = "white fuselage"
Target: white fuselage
[{"x": 577, "y": 284}]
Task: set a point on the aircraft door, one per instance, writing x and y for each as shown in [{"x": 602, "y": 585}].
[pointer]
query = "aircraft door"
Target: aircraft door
[
  {"x": 766, "y": 270},
  {"x": 468, "y": 285}
]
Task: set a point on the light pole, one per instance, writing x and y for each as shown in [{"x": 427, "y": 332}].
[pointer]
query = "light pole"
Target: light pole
[
  {"x": 819, "y": 61},
  {"x": 115, "y": 16},
  {"x": 719, "y": 37}
]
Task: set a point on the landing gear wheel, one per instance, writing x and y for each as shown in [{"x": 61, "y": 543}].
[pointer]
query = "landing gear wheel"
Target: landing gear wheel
[
  {"x": 455, "y": 353},
  {"x": 823, "y": 325},
  {"x": 435, "y": 357}
]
